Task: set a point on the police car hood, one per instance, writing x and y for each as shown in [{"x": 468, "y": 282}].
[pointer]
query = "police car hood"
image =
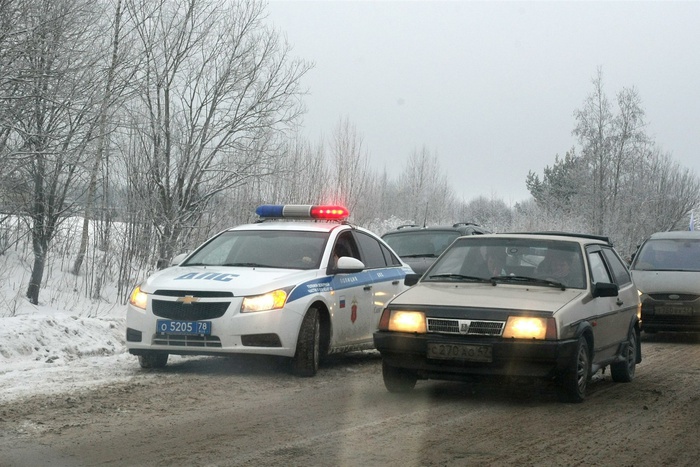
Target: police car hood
[
  {"x": 238, "y": 280},
  {"x": 481, "y": 295},
  {"x": 685, "y": 282}
]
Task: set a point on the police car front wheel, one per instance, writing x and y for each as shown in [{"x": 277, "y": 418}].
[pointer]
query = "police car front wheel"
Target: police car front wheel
[
  {"x": 153, "y": 360},
  {"x": 307, "y": 356}
]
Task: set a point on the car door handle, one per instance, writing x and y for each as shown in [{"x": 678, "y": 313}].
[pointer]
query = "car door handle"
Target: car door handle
[
  {"x": 394, "y": 282},
  {"x": 367, "y": 287}
]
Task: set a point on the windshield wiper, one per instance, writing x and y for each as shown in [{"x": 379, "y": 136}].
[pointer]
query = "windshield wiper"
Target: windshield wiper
[
  {"x": 420, "y": 255},
  {"x": 530, "y": 280},
  {"x": 460, "y": 277},
  {"x": 248, "y": 265}
]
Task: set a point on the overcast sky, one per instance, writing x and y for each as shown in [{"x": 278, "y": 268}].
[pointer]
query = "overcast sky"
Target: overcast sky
[{"x": 491, "y": 87}]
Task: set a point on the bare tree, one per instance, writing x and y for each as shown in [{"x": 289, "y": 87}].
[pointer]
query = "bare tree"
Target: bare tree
[
  {"x": 50, "y": 115},
  {"x": 427, "y": 196},
  {"x": 216, "y": 86}
]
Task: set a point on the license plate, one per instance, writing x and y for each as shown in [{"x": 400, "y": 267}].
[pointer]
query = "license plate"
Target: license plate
[
  {"x": 466, "y": 352},
  {"x": 674, "y": 310},
  {"x": 166, "y": 326}
]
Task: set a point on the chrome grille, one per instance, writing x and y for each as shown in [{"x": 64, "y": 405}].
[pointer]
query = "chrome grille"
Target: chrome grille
[{"x": 466, "y": 327}]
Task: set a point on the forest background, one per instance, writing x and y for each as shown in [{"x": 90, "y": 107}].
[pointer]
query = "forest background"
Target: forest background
[{"x": 132, "y": 130}]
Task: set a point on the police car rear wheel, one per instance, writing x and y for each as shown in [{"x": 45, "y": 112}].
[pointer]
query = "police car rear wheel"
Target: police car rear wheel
[
  {"x": 153, "y": 360},
  {"x": 305, "y": 361}
]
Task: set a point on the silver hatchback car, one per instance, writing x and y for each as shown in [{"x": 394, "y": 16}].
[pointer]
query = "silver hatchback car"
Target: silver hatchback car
[
  {"x": 550, "y": 306},
  {"x": 666, "y": 269}
]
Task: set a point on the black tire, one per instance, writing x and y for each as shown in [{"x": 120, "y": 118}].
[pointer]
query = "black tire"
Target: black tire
[
  {"x": 398, "y": 379},
  {"x": 307, "y": 356},
  {"x": 153, "y": 360},
  {"x": 575, "y": 380},
  {"x": 623, "y": 372}
]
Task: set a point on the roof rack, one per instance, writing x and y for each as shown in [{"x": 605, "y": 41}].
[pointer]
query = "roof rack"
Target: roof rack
[
  {"x": 457, "y": 224},
  {"x": 404, "y": 226}
]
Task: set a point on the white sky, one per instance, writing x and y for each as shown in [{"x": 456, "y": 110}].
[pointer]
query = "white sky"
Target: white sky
[{"x": 491, "y": 87}]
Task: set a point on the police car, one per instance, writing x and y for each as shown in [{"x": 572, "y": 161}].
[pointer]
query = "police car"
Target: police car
[{"x": 300, "y": 283}]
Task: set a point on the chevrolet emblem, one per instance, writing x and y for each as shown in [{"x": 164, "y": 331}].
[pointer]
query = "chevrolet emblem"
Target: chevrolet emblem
[{"x": 187, "y": 299}]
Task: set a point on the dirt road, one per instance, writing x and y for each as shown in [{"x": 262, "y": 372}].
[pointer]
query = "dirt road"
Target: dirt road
[{"x": 226, "y": 412}]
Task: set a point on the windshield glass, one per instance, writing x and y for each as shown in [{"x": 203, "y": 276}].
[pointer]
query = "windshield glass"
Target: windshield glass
[
  {"x": 269, "y": 249},
  {"x": 420, "y": 242},
  {"x": 668, "y": 255},
  {"x": 513, "y": 260}
]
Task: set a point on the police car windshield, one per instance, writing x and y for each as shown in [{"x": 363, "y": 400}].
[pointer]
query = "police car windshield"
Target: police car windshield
[{"x": 285, "y": 249}]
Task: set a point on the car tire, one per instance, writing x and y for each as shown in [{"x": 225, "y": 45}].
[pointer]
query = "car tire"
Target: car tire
[
  {"x": 398, "y": 379},
  {"x": 623, "y": 372},
  {"x": 153, "y": 360},
  {"x": 307, "y": 356},
  {"x": 574, "y": 381}
]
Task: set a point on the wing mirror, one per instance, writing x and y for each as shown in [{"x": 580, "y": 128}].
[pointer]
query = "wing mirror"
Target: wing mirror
[{"x": 605, "y": 289}]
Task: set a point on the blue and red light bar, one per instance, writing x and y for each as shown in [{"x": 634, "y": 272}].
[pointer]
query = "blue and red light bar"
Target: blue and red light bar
[{"x": 302, "y": 211}]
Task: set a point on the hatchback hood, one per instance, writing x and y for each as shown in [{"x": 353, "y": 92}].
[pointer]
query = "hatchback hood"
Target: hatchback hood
[
  {"x": 239, "y": 281},
  {"x": 502, "y": 296},
  {"x": 685, "y": 282}
]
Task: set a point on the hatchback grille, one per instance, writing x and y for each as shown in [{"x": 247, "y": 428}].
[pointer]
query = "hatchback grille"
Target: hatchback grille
[
  {"x": 189, "y": 311},
  {"x": 677, "y": 297},
  {"x": 186, "y": 341},
  {"x": 466, "y": 327}
]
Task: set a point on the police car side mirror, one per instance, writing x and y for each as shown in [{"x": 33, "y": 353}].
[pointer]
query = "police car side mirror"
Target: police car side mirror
[
  {"x": 178, "y": 259},
  {"x": 411, "y": 279},
  {"x": 347, "y": 264},
  {"x": 605, "y": 289}
]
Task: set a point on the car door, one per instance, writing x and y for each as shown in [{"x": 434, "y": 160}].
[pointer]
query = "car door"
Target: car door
[
  {"x": 353, "y": 297},
  {"x": 612, "y": 315},
  {"x": 385, "y": 280}
]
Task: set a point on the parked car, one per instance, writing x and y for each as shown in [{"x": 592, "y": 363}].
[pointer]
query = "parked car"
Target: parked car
[
  {"x": 419, "y": 247},
  {"x": 550, "y": 306},
  {"x": 666, "y": 270},
  {"x": 301, "y": 283}
]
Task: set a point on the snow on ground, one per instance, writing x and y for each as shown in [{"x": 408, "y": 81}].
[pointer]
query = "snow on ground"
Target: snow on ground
[
  {"x": 68, "y": 342},
  {"x": 51, "y": 352}
]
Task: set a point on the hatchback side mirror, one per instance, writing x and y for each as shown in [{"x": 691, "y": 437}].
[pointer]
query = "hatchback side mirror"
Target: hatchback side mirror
[
  {"x": 605, "y": 289},
  {"x": 411, "y": 279}
]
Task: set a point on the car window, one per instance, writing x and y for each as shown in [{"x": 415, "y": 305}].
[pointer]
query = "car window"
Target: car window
[
  {"x": 423, "y": 242},
  {"x": 389, "y": 257},
  {"x": 668, "y": 254},
  {"x": 274, "y": 249},
  {"x": 619, "y": 270},
  {"x": 536, "y": 259},
  {"x": 372, "y": 254},
  {"x": 599, "y": 272}
]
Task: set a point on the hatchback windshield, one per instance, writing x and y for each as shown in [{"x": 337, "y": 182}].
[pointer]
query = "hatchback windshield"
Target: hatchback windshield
[
  {"x": 668, "y": 255},
  {"x": 270, "y": 249},
  {"x": 538, "y": 262}
]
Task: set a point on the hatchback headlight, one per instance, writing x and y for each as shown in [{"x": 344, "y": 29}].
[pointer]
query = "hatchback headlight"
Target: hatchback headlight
[
  {"x": 269, "y": 301},
  {"x": 530, "y": 327},
  {"x": 403, "y": 321}
]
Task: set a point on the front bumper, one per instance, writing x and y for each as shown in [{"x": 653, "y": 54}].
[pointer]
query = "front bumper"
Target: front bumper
[
  {"x": 272, "y": 332},
  {"x": 510, "y": 357}
]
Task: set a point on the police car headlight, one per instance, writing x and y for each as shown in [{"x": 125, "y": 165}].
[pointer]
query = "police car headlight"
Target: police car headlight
[
  {"x": 138, "y": 298},
  {"x": 402, "y": 321},
  {"x": 530, "y": 327},
  {"x": 269, "y": 301}
]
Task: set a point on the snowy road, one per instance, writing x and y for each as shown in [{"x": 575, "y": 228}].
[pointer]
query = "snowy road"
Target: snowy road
[{"x": 248, "y": 411}]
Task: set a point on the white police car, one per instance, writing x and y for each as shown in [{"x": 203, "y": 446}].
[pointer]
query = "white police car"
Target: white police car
[{"x": 302, "y": 283}]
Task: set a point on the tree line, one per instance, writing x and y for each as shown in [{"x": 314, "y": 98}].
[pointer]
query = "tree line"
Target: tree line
[{"x": 159, "y": 123}]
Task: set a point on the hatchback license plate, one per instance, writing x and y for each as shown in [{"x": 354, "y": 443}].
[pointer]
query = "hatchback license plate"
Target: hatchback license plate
[
  {"x": 466, "y": 352},
  {"x": 166, "y": 326}
]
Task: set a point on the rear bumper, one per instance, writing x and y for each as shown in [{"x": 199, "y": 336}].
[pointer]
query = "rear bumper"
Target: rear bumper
[{"x": 511, "y": 358}]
